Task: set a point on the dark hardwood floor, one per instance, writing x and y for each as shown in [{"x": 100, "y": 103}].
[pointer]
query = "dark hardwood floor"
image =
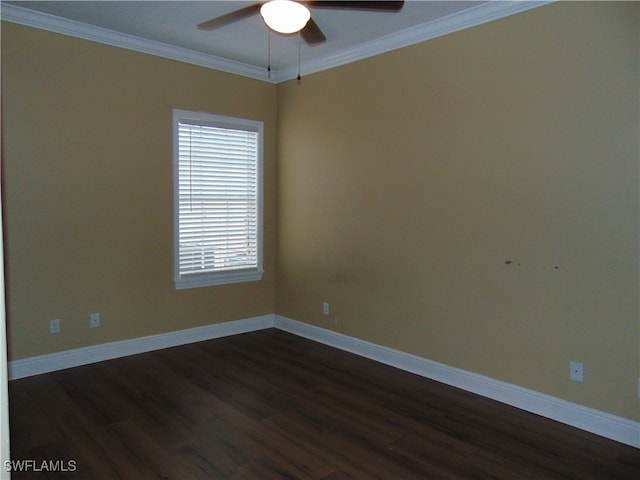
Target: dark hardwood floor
[{"x": 270, "y": 405}]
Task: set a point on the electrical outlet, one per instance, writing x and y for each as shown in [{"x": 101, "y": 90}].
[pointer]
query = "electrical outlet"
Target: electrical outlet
[
  {"x": 94, "y": 320},
  {"x": 576, "y": 373},
  {"x": 325, "y": 308},
  {"x": 54, "y": 326}
]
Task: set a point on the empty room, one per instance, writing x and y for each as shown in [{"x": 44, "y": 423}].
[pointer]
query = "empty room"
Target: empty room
[{"x": 400, "y": 242}]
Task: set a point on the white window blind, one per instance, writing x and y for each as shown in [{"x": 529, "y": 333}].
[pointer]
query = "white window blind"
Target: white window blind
[{"x": 218, "y": 199}]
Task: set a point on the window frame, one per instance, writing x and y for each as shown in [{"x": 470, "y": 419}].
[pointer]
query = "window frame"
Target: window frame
[{"x": 220, "y": 277}]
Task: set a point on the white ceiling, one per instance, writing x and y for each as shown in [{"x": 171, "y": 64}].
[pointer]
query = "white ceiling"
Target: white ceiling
[{"x": 168, "y": 28}]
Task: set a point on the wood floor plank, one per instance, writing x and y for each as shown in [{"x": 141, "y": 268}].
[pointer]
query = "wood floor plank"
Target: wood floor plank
[{"x": 270, "y": 405}]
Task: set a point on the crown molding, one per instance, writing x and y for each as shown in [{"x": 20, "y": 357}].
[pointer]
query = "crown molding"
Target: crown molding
[
  {"x": 64, "y": 26},
  {"x": 484, "y": 13}
]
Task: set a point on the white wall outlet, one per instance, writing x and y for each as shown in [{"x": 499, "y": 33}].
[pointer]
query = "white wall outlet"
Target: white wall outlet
[
  {"x": 325, "y": 308},
  {"x": 94, "y": 320},
  {"x": 54, "y": 326},
  {"x": 576, "y": 372}
]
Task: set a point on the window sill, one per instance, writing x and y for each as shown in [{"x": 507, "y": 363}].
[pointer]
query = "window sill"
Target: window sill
[{"x": 222, "y": 278}]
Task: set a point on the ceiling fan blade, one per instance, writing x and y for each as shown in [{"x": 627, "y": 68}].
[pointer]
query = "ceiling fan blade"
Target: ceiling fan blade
[
  {"x": 384, "y": 6},
  {"x": 312, "y": 34},
  {"x": 230, "y": 17}
]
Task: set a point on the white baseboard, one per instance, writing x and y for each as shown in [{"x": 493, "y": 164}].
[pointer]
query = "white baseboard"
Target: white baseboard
[
  {"x": 595, "y": 421},
  {"x": 106, "y": 351}
]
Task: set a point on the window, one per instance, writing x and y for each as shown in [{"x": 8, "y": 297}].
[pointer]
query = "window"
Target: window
[{"x": 217, "y": 164}]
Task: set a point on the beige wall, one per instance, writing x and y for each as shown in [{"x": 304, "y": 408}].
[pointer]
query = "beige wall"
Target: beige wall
[
  {"x": 88, "y": 191},
  {"x": 408, "y": 181}
]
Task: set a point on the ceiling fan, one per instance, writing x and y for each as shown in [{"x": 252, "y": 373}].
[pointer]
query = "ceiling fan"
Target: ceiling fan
[{"x": 309, "y": 30}]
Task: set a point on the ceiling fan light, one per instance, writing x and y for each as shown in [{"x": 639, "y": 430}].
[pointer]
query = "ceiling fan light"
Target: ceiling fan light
[{"x": 285, "y": 16}]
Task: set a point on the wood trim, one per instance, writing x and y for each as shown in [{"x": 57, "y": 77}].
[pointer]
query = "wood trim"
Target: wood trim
[
  {"x": 591, "y": 420},
  {"x": 585, "y": 418},
  {"x": 471, "y": 17},
  {"x": 27, "y": 367}
]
